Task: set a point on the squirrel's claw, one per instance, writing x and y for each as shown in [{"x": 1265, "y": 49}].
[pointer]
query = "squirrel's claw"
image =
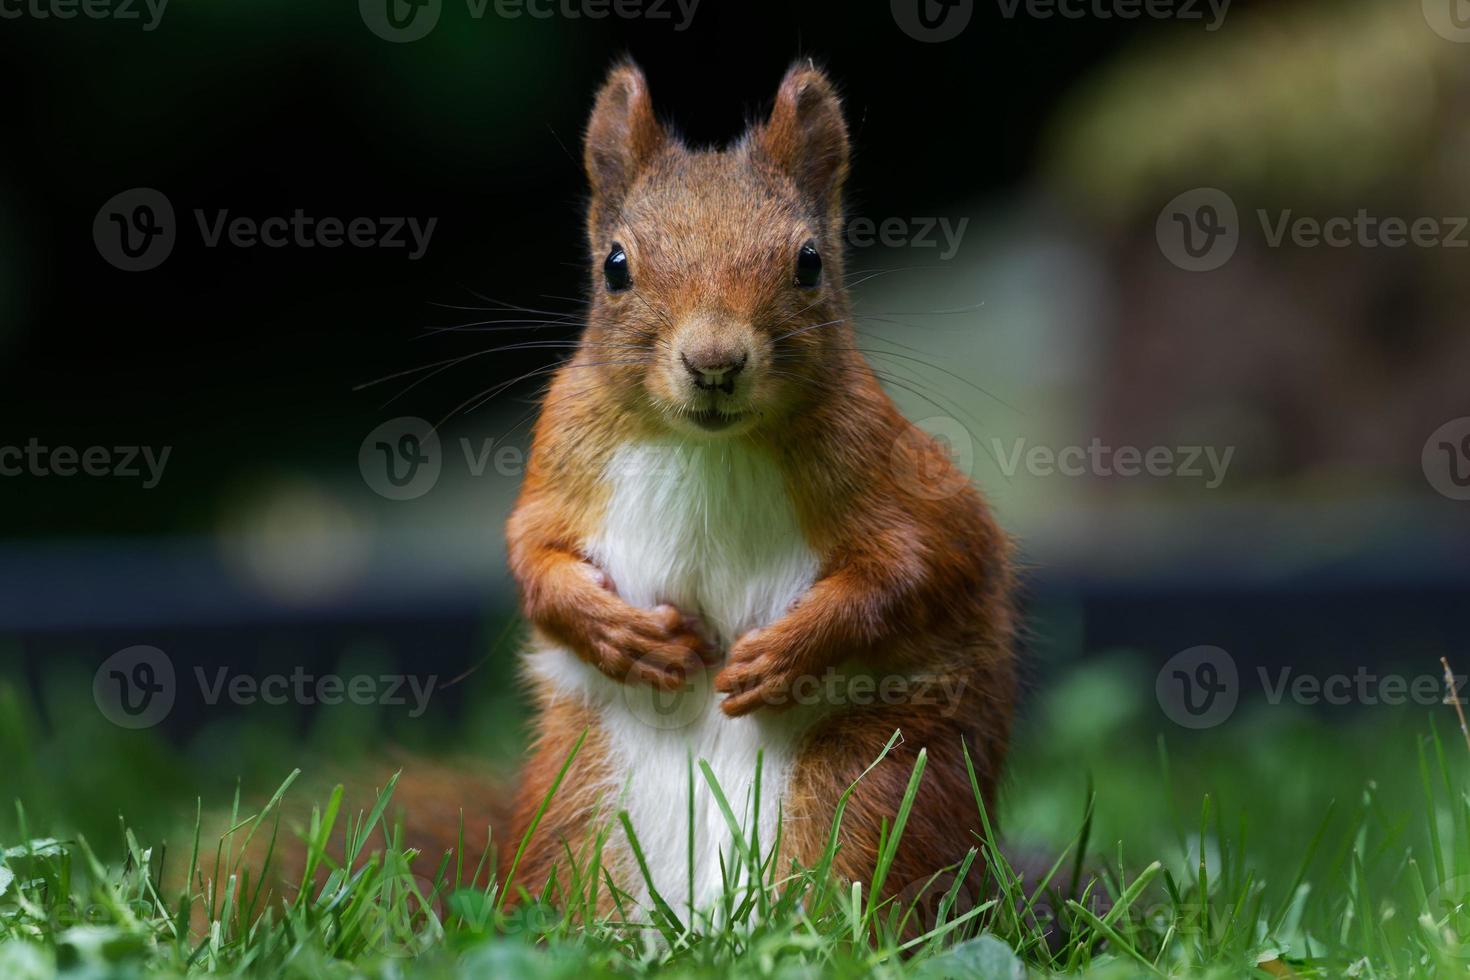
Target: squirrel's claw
[{"x": 758, "y": 674}]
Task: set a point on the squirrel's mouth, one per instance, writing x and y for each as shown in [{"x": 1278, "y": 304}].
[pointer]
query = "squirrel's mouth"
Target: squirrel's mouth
[{"x": 714, "y": 420}]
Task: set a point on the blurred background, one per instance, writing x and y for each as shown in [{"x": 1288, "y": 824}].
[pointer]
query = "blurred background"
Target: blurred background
[{"x": 1065, "y": 229}]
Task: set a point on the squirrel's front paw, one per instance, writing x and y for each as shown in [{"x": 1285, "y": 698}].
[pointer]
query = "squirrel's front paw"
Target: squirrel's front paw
[
  {"x": 759, "y": 673},
  {"x": 661, "y": 647}
]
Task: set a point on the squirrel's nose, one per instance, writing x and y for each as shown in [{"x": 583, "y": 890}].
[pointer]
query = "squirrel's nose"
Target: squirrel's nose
[{"x": 714, "y": 368}]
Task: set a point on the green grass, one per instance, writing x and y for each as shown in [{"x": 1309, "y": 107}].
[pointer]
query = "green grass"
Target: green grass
[{"x": 1327, "y": 844}]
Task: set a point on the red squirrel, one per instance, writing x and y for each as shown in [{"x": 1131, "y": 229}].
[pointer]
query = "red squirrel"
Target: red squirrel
[{"x": 730, "y": 541}]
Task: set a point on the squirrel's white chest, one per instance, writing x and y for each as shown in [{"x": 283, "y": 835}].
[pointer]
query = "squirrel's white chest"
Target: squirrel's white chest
[
  {"x": 707, "y": 527},
  {"x": 710, "y": 529}
]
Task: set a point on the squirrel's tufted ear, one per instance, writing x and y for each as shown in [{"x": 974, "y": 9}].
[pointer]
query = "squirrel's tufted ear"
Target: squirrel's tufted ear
[
  {"x": 806, "y": 135},
  {"x": 622, "y": 135}
]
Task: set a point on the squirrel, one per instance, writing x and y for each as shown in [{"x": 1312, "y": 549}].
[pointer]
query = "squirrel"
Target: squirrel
[
  {"x": 731, "y": 546},
  {"x": 732, "y": 549}
]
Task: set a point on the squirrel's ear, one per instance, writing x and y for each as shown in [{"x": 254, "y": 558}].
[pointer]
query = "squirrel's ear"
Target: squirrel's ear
[
  {"x": 806, "y": 135},
  {"x": 622, "y": 135}
]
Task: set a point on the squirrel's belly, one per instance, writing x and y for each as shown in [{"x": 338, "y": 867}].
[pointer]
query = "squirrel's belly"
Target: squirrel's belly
[{"x": 711, "y": 530}]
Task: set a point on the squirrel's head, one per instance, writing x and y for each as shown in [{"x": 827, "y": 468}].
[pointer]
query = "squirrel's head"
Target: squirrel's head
[{"x": 717, "y": 295}]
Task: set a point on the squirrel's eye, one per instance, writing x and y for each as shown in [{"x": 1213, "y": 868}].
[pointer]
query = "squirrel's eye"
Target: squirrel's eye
[
  {"x": 615, "y": 270},
  {"x": 808, "y": 266}
]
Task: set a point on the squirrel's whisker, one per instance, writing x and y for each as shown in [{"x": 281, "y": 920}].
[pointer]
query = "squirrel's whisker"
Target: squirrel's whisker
[
  {"x": 488, "y": 326},
  {"x": 873, "y": 352},
  {"x": 479, "y": 399},
  {"x": 806, "y": 329}
]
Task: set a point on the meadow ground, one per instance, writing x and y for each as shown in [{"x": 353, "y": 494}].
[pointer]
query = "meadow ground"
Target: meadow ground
[{"x": 1321, "y": 842}]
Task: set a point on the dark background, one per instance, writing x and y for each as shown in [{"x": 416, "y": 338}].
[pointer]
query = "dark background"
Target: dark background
[{"x": 245, "y": 361}]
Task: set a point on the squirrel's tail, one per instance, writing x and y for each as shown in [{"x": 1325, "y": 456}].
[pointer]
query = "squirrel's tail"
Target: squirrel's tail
[
  {"x": 439, "y": 805},
  {"x": 434, "y": 807}
]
